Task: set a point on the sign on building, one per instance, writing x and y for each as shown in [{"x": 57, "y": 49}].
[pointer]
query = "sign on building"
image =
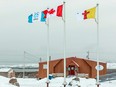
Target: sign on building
[{"x": 45, "y": 66}]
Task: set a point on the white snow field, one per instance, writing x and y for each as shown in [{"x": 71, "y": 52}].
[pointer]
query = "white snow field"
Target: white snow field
[
  {"x": 55, "y": 82},
  {"x": 58, "y": 81}
]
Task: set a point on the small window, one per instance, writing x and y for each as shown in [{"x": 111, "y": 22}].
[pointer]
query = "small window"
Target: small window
[
  {"x": 45, "y": 66},
  {"x": 76, "y": 68},
  {"x": 68, "y": 68},
  {"x": 72, "y": 68}
]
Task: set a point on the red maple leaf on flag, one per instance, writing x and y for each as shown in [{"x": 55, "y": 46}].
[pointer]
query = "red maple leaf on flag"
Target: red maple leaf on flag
[{"x": 51, "y": 11}]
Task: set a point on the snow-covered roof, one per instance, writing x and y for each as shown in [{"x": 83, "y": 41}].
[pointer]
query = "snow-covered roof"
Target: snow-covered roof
[{"x": 5, "y": 69}]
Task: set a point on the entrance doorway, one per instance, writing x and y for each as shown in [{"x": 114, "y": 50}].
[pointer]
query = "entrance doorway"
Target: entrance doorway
[{"x": 71, "y": 69}]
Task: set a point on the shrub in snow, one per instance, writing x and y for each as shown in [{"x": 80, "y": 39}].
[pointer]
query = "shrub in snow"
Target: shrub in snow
[
  {"x": 13, "y": 81},
  {"x": 70, "y": 83}
]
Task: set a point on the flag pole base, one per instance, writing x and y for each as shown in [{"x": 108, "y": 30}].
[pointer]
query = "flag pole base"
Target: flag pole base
[
  {"x": 47, "y": 82},
  {"x": 64, "y": 83},
  {"x": 98, "y": 84}
]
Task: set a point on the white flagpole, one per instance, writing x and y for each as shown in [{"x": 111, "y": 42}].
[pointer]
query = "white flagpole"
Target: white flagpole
[
  {"x": 64, "y": 83},
  {"x": 47, "y": 23},
  {"x": 97, "y": 21}
]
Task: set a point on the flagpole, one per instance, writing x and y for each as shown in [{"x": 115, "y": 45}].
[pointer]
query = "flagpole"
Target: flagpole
[
  {"x": 24, "y": 66},
  {"x": 47, "y": 23},
  {"x": 97, "y": 21},
  {"x": 64, "y": 83}
]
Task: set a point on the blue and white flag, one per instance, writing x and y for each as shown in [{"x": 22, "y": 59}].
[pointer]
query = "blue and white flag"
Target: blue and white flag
[{"x": 37, "y": 16}]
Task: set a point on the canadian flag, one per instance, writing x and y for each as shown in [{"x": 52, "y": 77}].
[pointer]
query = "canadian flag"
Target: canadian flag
[{"x": 57, "y": 12}]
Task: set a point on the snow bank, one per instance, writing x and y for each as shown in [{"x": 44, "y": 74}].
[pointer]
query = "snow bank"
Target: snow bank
[
  {"x": 56, "y": 82},
  {"x": 4, "y": 82}
]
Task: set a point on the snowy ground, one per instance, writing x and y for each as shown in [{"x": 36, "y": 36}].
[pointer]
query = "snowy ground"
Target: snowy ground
[{"x": 55, "y": 82}]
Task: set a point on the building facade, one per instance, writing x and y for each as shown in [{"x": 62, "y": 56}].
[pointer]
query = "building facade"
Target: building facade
[{"x": 74, "y": 66}]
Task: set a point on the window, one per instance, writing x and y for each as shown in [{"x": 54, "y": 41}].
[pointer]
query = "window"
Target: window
[
  {"x": 45, "y": 66},
  {"x": 68, "y": 68},
  {"x": 72, "y": 68},
  {"x": 76, "y": 68}
]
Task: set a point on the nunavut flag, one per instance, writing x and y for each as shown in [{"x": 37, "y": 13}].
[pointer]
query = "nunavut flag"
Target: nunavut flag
[{"x": 87, "y": 14}]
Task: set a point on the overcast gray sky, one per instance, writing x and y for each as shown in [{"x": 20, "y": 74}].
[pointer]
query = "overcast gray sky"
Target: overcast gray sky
[{"x": 17, "y": 35}]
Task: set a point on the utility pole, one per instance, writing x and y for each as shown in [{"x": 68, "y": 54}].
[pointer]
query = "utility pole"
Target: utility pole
[
  {"x": 50, "y": 57},
  {"x": 87, "y": 54},
  {"x": 24, "y": 66},
  {"x": 40, "y": 59}
]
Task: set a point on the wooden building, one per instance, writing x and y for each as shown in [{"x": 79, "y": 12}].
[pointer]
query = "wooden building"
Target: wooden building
[
  {"x": 7, "y": 72},
  {"x": 74, "y": 66}
]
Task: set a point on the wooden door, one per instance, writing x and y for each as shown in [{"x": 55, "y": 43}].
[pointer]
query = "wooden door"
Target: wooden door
[{"x": 71, "y": 70}]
